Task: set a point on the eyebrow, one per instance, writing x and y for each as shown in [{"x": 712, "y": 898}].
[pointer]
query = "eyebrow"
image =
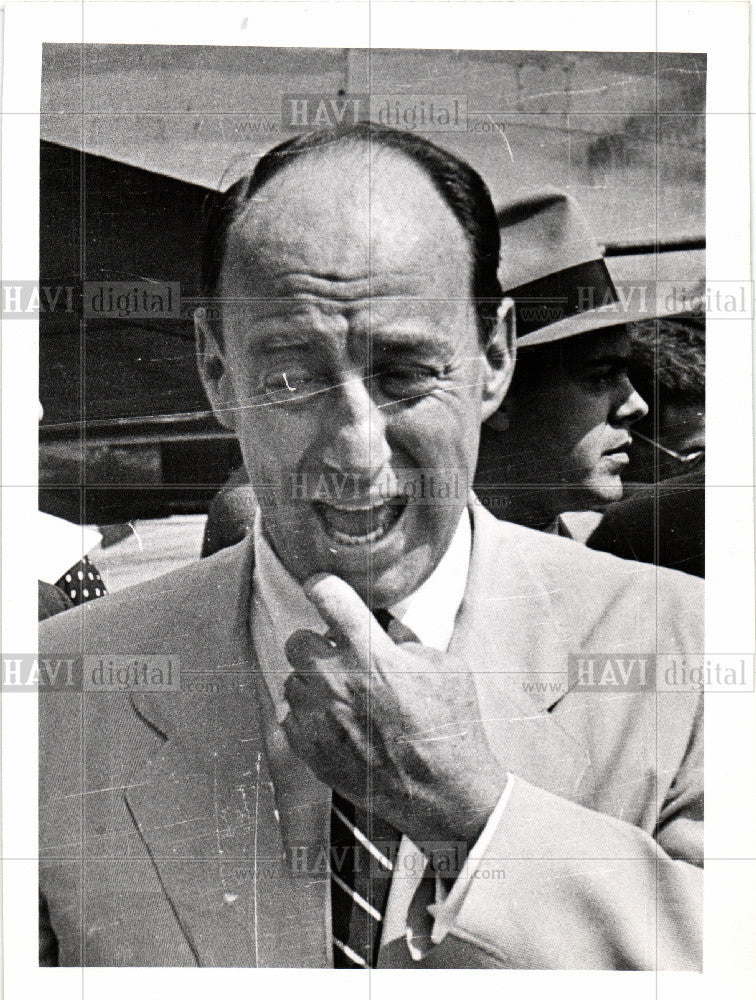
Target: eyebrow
[
  {"x": 273, "y": 342},
  {"x": 408, "y": 344},
  {"x": 381, "y": 344}
]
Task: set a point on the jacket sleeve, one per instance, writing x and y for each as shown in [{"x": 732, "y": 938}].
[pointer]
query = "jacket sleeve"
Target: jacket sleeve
[{"x": 562, "y": 886}]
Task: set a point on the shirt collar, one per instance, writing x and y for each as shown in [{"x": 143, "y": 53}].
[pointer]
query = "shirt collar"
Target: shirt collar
[
  {"x": 575, "y": 524},
  {"x": 280, "y": 607}
]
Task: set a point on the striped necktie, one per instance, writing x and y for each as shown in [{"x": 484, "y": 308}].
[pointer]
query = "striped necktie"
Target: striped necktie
[{"x": 363, "y": 849}]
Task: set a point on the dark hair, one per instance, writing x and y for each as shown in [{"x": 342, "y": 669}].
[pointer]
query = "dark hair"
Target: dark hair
[
  {"x": 669, "y": 355},
  {"x": 461, "y": 187}
]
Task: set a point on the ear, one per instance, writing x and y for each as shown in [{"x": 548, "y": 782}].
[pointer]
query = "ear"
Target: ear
[
  {"x": 499, "y": 360},
  {"x": 213, "y": 371}
]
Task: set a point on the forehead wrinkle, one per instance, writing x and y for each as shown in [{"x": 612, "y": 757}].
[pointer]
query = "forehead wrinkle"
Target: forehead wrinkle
[
  {"x": 301, "y": 327},
  {"x": 330, "y": 288},
  {"x": 391, "y": 300},
  {"x": 360, "y": 336},
  {"x": 332, "y": 293},
  {"x": 400, "y": 320}
]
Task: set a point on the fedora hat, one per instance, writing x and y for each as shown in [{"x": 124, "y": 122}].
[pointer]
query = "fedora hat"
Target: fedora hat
[{"x": 554, "y": 271}]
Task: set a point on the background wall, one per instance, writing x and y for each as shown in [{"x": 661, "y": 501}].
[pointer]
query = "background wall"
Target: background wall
[{"x": 623, "y": 132}]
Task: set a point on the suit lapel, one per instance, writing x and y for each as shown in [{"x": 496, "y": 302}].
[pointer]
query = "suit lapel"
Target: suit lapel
[
  {"x": 207, "y": 811},
  {"x": 510, "y": 634},
  {"x": 237, "y": 826}
]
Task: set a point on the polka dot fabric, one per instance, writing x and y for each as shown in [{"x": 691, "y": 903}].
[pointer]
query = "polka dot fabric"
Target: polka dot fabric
[{"x": 82, "y": 582}]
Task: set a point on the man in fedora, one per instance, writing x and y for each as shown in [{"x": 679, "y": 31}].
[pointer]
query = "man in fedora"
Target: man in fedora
[
  {"x": 396, "y": 740},
  {"x": 560, "y": 441},
  {"x": 663, "y": 519}
]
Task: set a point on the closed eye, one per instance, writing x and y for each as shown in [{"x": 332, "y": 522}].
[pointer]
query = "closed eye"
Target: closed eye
[
  {"x": 291, "y": 385},
  {"x": 407, "y": 381},
  {"x": 295, "y": 384}
]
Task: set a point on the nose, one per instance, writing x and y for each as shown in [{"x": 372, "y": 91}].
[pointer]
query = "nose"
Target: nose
[
  {"x": 631, "y": 406},
  {"x": 355, "y": 432}
]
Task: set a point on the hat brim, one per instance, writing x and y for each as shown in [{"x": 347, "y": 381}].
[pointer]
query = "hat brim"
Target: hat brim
[{"x": 601, "y": 318}]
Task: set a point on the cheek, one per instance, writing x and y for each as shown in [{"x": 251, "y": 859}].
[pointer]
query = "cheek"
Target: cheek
[
  {"x": 587, "y": 449},
  {"x": 437, "y": 431},
  {"x": 273, "y": 442},
  {"x": 582, "y": 416}
]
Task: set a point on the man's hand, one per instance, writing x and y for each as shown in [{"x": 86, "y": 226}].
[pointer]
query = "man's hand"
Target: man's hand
[{"x": 395, "y": 727}]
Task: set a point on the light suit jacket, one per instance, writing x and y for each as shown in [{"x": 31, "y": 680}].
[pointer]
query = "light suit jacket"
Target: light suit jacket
[{"x": 168, "y": 821}]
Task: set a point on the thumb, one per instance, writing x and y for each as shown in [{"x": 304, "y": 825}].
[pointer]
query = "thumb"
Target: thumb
[{"x": 345, "y": 613}]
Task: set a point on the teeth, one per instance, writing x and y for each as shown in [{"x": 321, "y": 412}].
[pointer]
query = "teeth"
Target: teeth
[
  {"x": 371, "y": 536},
  {"x": 359, "y": 525}
]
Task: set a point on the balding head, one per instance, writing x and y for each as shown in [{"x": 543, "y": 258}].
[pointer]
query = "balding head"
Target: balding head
[
  {"x": 362, "y": 213},
  {"x": 382, "y": 152}
]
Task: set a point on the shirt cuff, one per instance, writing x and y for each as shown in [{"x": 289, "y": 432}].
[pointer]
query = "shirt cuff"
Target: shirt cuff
[{"x": 446, "y": 908}]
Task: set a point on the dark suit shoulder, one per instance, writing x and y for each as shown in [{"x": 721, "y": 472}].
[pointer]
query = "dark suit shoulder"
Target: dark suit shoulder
[{"x": 51, "y": 601}]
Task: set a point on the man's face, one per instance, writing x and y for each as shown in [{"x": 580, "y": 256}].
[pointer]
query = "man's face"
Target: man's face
[
  {"x": 569, "y": 423},
  {"x": 351, "y": 364}
]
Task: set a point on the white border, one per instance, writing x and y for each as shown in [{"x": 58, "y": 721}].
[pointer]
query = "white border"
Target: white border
[{"x": 718, "y": 28}]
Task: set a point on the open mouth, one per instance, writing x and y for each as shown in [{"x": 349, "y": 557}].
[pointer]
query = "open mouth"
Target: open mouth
[{"x": 360, "y": 525}]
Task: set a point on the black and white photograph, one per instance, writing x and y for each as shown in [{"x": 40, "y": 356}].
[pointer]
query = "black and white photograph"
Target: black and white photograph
[{"x": 382, "y": 578}]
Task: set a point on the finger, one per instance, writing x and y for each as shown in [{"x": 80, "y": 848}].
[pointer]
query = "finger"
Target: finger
[
  {"x": 292, "y": 732},
  {"x": 308, "y": 690},
  {"x": 295, "y": 691},
  {"x": 304, "y": 648},
  {"x": 346, "y": 613}
]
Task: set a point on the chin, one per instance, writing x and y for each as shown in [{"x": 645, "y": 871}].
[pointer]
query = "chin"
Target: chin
[
  {"x": 383, "y": 590},
  {"x": 605, "y": 493},
  {"x": 593, "y": 494}
]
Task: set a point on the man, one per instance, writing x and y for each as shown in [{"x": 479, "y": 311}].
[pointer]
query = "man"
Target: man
[
  {"x": 363, "y": 341},
  {"x": 669, "y": 366},
  {"x": 560, "y": 441},
  {"x": 663, "y": 522},
  {"x": 555, "y": 452}
]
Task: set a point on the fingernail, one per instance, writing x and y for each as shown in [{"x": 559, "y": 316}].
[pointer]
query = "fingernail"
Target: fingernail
[{"x": 334, "y": 639}]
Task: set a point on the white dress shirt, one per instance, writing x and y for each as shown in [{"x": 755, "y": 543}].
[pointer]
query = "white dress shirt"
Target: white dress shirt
[
  {"x": 576, "y": 524},
  {"x": 279, "y": 608}
]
